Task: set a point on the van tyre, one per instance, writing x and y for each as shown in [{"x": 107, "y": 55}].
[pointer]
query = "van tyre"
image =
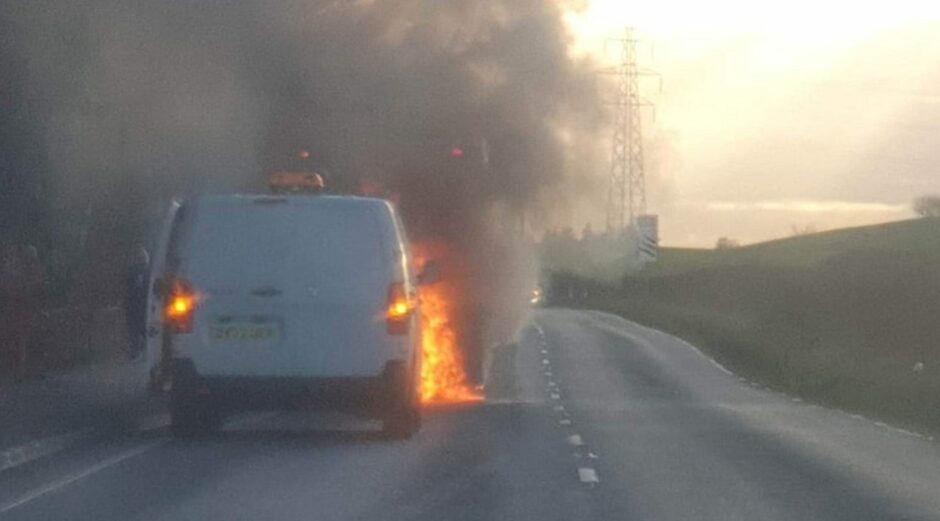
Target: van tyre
[
  {"x": 191, "y": 414},
  {"x": 402, "y": 423},
  {"x": 192, "y": 417},
  {"x": 403, "y": 415}
]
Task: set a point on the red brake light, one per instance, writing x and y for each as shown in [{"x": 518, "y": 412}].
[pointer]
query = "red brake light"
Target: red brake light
[
  {"x": 399, "y": 310},
  {"x": 179, "y": 307}
]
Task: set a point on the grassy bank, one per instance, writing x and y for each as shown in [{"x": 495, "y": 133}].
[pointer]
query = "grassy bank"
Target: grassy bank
[
  {"x": 918, "y": 237},
  {"x": 858, "y": 328}
]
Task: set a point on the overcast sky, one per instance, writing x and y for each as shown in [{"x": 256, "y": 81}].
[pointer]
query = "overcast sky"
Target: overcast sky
[{"x": 781, "y": 115}]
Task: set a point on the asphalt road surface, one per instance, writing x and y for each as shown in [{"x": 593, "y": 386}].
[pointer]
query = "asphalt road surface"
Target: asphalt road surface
[{"x": 589, "y": 417}]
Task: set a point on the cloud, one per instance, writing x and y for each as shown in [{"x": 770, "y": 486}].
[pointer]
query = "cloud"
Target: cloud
[{"x": 807, "y": 206}]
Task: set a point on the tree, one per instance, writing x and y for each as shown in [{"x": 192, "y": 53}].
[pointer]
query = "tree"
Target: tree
[
  {"x": 724, "y": 243},
  {"x": 927, "y": 206},
  {"x": 799, "y": 231}
]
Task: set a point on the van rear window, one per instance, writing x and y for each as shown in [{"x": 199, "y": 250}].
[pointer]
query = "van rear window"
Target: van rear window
[{"x": 333, "y": 251}]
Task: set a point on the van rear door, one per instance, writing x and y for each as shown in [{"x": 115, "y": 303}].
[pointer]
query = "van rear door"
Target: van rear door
[
  {"x": 154, "y": 325},
  {"x": 289, "y": 286}
]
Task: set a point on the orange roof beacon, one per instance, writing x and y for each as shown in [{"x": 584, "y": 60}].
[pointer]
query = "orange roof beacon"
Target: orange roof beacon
[{"x": 295, "y": 183}]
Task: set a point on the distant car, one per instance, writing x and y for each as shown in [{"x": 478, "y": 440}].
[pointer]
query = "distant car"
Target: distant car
[
  {"x": 286, "y": 302},
  {"x": 538, "y": 296}
]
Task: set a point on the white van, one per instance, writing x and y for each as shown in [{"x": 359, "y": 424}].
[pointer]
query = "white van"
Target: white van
[{"x": 287, "y": 301}]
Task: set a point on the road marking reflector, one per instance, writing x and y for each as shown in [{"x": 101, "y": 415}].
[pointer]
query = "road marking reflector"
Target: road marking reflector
[
  {"x": 587, "y": 475},
  {"x": 564, "y": 421},
  {"x": 556, "y": 396},
  {"x": 559, "y": 408},
  {"x": 575, "y": 440}
]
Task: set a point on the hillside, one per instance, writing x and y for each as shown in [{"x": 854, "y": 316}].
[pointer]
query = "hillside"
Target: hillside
[
  {"x": 845, "y": 318},
  {"x": 916, "y": 237}
]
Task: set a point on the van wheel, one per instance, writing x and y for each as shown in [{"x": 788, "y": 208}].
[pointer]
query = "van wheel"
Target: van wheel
[
  {"x": 402, "y": 423},
  {"x": 403, "y": 416},
  {"x": 191, "y": 417}
]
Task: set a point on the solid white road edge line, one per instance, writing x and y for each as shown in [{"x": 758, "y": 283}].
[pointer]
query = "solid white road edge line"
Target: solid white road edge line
[
  {"x": 66, "y": 481},
  {"x": 858, "y": 417},
  {"x": 22, "y": 454},
  {"x": 720, "y": 367}
]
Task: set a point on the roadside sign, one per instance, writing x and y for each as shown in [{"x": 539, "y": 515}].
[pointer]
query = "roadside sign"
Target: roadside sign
[{"x": 647, "y": 237}]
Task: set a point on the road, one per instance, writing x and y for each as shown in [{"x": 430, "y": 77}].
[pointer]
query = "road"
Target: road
[{"x": 589, "y": 417}]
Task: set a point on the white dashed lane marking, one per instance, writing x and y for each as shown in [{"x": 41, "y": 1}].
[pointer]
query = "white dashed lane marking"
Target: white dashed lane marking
[{"x": 588, "y": 475}]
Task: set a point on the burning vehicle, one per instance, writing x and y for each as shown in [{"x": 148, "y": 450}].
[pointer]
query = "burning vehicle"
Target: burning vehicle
[{"x": 292, "y": 301}]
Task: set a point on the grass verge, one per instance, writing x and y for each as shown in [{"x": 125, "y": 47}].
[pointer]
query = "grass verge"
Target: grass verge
[{"x": 859, "y": 332}]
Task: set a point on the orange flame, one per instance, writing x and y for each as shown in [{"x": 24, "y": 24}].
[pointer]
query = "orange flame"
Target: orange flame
[{"x": 443, "y": 379}]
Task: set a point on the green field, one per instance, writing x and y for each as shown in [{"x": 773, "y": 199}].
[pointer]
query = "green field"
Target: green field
[
  {"x": 917, "y": 237},
  {"x": 847, "y": 318}
]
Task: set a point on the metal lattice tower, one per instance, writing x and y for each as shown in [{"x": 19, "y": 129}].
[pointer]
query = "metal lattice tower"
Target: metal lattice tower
[{"x": 626, "y": 196}]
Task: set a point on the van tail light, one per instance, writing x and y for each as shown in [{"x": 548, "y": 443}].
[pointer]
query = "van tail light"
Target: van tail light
[
  {"x": 400, "y": 308},
  {"x": 179, "y": 307}
]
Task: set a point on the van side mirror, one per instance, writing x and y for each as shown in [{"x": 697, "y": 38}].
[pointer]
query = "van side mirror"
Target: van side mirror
[{"x": 430, "y": 274}]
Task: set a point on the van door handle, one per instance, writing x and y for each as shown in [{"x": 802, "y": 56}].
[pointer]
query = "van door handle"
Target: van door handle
[{"x": 266, "y": 291}]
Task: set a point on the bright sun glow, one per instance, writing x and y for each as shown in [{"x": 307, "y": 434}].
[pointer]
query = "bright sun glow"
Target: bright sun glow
[
  {"x": 758, "y": 92},
  {"x": 804, "y": 23}
]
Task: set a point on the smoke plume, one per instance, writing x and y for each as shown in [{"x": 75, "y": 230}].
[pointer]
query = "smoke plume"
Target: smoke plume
[{"x": 468, "y": 113}]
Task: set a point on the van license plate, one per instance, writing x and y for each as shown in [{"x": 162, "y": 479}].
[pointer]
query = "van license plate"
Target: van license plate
[{"x": 243, "y": 333}]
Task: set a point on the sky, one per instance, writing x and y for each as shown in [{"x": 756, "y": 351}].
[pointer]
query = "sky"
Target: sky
[{"x": 783, "y": 116}]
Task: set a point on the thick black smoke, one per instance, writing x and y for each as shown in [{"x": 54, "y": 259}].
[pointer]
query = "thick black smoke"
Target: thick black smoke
[{"x": 110, "y": 107}]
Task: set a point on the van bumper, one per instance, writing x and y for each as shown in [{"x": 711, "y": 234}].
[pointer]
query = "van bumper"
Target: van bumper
[{"x": 370, "y": 396}]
